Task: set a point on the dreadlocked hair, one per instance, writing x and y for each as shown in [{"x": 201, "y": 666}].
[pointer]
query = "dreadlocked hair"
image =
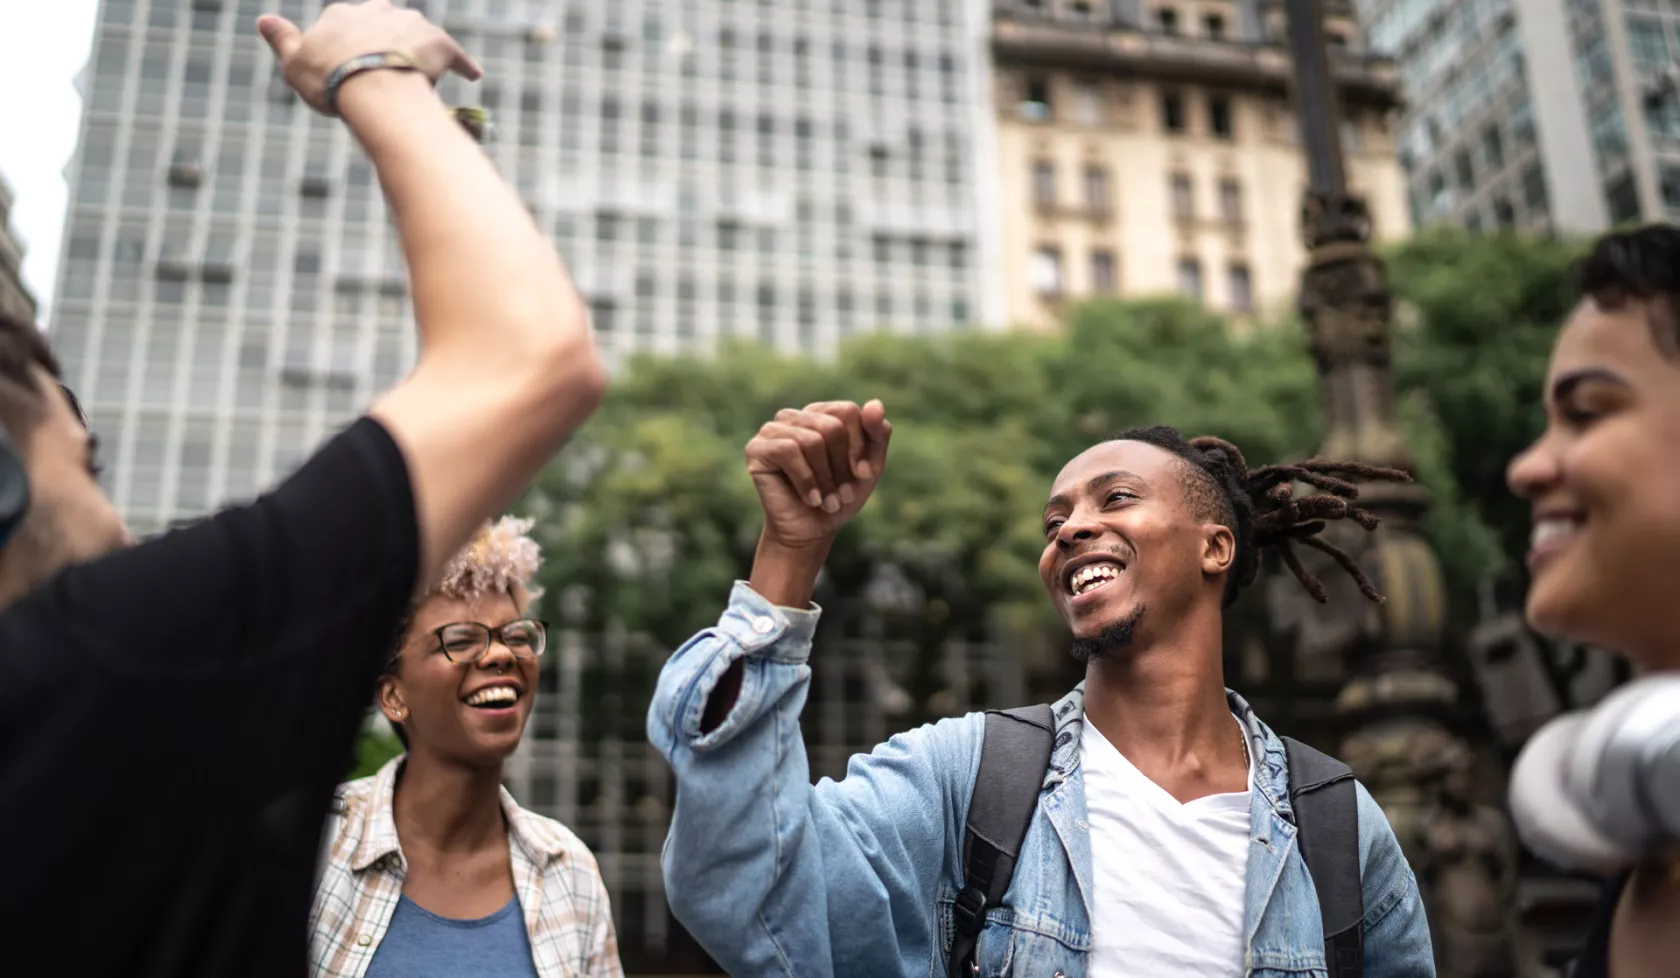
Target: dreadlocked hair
[{"x": 1262, "y": 509}]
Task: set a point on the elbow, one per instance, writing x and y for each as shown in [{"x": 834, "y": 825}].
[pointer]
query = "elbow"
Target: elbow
[{"x": 569, "y": 367}]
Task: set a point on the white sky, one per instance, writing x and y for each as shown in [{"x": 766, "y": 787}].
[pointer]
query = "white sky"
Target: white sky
[{"x": 43, "y": 44}]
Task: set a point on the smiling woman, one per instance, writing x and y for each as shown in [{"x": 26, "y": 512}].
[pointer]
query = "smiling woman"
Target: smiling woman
[
  {"x": 1599, "y": 791},
  {"x": 432, "y": 868}
]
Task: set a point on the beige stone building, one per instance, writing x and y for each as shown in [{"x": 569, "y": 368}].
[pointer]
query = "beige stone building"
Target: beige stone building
[
  {"x": 1150, "y": 148},
  {"x": 15, "y": 300}
]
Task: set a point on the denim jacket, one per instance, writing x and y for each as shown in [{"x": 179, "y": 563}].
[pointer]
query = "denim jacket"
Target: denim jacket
[{"x": 776, "y": 876}]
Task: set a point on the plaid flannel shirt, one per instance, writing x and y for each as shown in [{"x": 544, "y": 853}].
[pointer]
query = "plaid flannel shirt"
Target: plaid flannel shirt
[{"x": 560, "y": 890}]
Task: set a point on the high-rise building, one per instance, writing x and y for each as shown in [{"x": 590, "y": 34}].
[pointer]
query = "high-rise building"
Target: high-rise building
[
  {"x": 1546, "y": 115},
  {"x": 787, "y": 170},
  {"x": 1151, "y": 147},
  {"x": 15, "y": 299}
]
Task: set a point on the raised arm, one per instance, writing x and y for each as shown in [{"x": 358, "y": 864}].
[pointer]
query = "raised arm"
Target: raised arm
[
  {"x": 774, "y": 875},
  {"x": 507, "y": 365}
]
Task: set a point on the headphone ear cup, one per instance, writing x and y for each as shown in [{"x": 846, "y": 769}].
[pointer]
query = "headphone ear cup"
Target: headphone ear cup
[
  {"x": 1550, "y": 818},
  {"x": 14, "y": 489},
  {"x": 1616, "y": 770}
]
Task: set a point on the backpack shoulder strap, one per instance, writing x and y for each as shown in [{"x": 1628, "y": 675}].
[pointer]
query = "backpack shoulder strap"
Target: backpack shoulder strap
[
  {"x": 1013, "y": 758},
  {"x": 1321, "y": 789}
]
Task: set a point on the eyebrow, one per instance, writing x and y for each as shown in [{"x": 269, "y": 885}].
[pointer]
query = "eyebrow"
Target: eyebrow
[
  {"x": 1092, "y": 485},
  {"x": 1566, "y": 385}
]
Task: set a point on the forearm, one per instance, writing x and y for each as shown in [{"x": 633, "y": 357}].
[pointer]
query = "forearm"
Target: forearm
[
  {"x": 483, "y": 277},
  {"x": 787, "y": 576},
  {"x": 742, "y": 787},
  {"x": 783, "y": 576}
]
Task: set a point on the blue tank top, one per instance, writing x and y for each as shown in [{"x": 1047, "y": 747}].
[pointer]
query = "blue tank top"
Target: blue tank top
[{"x": 420, "y": 944}]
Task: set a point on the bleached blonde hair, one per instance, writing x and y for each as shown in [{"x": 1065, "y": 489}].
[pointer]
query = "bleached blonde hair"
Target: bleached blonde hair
[{"x": 501, "y": 558}]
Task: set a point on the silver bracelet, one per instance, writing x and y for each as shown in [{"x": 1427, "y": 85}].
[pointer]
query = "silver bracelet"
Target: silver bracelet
[{"x": 368, "y": 62}]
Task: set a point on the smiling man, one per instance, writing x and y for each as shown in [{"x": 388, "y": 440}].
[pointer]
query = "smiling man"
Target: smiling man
[{"x": 1163, "y": 839}]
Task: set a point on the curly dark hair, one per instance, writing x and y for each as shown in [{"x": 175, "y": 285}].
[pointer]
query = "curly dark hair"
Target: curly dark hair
[
  {"x": 1639, "y": 265},
  {"x": 1262, "y": 510}
]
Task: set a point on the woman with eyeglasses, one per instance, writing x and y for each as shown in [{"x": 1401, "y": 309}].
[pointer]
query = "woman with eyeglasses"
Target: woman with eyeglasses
[{"x": 431, "y": 869}]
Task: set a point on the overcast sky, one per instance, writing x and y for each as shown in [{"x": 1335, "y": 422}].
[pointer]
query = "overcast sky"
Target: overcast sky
[{"x": 43, "y": 44}]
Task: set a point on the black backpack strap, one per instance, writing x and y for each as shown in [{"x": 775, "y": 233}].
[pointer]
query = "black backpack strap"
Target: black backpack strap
[
  {"x": 1013, "y": 758},
  {"x": 1322, "y": 791}
]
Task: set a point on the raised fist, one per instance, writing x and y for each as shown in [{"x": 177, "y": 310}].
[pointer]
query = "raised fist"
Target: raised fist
[
  {"x": 346, "y": 31},
  {"x": 814, "y": 468}
]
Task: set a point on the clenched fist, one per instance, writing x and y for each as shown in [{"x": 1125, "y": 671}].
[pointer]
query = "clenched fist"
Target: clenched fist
[
  {"x": 346, "y": 31},
  {"x": 815, "y": 467}
]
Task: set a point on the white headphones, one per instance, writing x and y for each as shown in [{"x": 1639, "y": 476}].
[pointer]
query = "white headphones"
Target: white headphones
[{"x": 1597, "y": 790}]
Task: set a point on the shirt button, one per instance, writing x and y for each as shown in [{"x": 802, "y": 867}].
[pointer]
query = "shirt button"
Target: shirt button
[
  {"x": 763, "y": 625},
  {"x": 364, "y": 940}
]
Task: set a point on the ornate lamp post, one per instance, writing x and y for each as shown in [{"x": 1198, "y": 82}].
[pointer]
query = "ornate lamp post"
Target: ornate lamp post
[{"x": 1399, "y": 702}]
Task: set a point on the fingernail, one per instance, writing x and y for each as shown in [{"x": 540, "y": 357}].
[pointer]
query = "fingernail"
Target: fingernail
[
  {"x": 831, "y": 504},
  {"x": 847, "y": 495},
  {"x": 863, "y": 470},
  {"x": 814, "y": 498}
]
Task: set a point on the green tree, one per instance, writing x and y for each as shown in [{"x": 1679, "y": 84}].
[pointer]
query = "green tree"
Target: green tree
[{"x": 1481, "y": 315}]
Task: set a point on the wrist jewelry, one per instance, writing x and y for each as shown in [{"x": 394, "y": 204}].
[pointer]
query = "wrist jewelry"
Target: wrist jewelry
[{"x": 394, "y": 60}]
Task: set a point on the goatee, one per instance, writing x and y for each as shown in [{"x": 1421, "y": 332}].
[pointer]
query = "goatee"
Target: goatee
[{"x": 1111, "y": 642}]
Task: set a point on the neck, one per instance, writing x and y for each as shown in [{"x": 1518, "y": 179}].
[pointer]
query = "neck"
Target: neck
[
  {"x": 449, "y": 808},
  {"x": 1162, "y": 702}
]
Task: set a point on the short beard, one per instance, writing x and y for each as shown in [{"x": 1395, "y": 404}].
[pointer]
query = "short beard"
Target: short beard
[{"x": 1111, "y": 642}]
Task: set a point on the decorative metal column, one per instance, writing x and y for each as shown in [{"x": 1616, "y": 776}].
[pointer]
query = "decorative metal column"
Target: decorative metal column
[{"x": 1399, "y": 703}]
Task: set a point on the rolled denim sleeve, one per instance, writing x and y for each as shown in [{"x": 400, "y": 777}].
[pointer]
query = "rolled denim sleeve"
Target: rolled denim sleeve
[
  {"x": 1397, "y": 941},
  {"x": 774, "y": 875}
]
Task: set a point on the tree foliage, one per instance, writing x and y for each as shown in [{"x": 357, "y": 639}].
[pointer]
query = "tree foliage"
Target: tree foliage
[
  {"x": 650, "y": 515},
  {"x": 1471, "y": 369}
]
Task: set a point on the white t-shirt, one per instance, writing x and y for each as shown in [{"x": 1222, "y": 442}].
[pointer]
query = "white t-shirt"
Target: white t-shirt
[{"x": 1166, "y": 878}]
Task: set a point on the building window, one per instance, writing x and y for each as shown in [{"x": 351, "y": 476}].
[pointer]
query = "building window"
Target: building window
[
  {"x": 1464, "y": 170},
  {"x": 1167, "y": 19},
  {"x": 1646, "y": 42},
  {"x": 1219, "y": 117},
  {"x": 1503, "y": 213},
  {"x": 1096, "y": 188},
  {"x": 1172, "y": 112},
  {"x": 1102, "y": 272},
  {"x": 1183, "y": 199},
  {"x": 1230, "y": 201},
  {"x": 1534, "y": 190},
  {"x": 1241, "y": 288},
  {"x": 1190, "y": 278},
  {"x": 1044, "y": 184},
  {"x": 1668, "y": 177},
  {"x": 1623, "y": 199},
  {"x": 1046, "y": 273},
  {"x": 1036, "y": 106},
  {"x": 1493, "y": 147},
  {"x": 1213, "y": 25},
  {"x": 1087, "y": 104}
]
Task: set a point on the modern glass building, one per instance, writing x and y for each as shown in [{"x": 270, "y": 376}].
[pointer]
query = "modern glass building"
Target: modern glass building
[
  {"x": 1546, "y": 115},
  {"x": 791, "y": 171}
]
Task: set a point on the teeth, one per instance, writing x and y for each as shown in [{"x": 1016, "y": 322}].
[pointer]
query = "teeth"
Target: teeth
[
  {"x": 495, "y": 694},
  {"x": 1092, "y": 575},
  {"x": 1552, "y": 529}
]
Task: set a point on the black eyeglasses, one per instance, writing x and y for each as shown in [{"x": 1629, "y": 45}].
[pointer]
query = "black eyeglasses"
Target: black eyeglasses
[{"x": 467, "y": 641}]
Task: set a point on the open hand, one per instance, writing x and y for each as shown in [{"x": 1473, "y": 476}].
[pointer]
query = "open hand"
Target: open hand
[
  {"x": 345, "y": 31},
  {"x": 815, "y": 467}
]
